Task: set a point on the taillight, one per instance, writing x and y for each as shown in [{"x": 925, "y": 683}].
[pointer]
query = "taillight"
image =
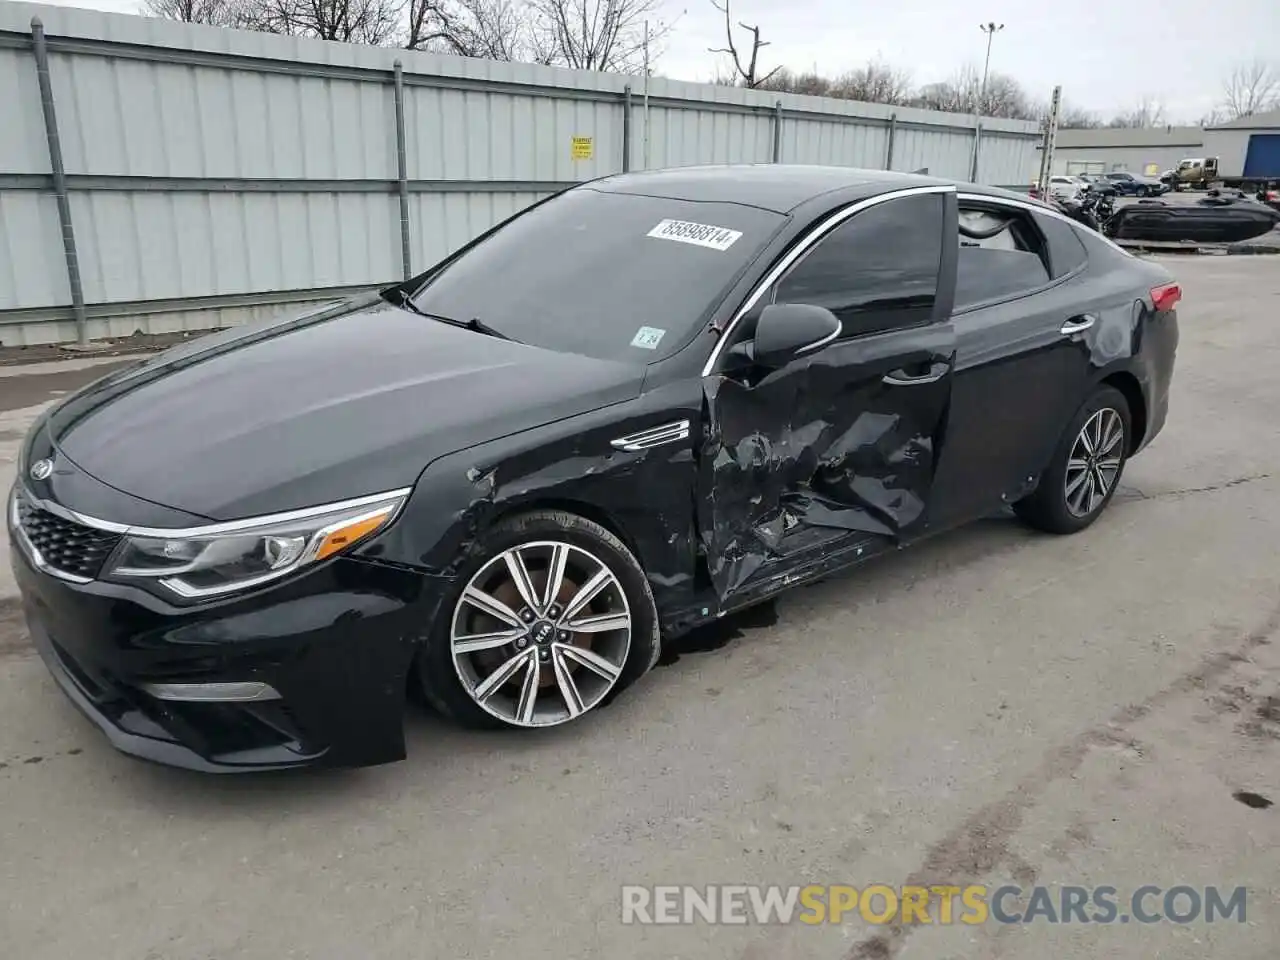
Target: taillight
[{"x": 1166, "y": 296}]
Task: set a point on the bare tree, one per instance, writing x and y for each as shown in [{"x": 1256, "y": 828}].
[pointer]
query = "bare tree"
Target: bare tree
[
  {"x": 748, "y": 71},
  {"x": 490, "y": 30},
  {"x": 1149, "y": 112},
  {"x": 485, "y": 29},
  {"x": 876, "y": 82},
  {"x": 352, "y": 21},
  {"x": 1249, "y": 88},
  {"x": 595, "y": 34},
  {"x": 1073, "y": 118},
  {"x": 1214, "y": 117},
  {"x": 964, "y": 93},
  {"x": 217, "y": 13},
  {"x": 426, "y": 26},
  {"x": 943, "y": 95},
  {"x": 782, "y": 80}
]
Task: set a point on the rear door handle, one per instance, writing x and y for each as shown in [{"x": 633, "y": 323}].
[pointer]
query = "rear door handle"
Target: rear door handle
[
  {"x": 1076, "y": 324},
  {"x": 900, "y": 377}
]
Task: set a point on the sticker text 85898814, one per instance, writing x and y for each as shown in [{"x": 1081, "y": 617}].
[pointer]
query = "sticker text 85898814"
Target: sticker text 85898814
[{"x": 699, "y": 234}]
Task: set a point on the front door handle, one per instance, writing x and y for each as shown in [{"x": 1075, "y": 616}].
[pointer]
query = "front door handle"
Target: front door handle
[
  {"x": 1076, "y": 324},
  {"x": 901, "y": 378}
]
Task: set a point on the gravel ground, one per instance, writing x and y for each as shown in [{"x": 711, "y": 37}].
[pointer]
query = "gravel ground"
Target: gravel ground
[{"x": 992, "y": 707}]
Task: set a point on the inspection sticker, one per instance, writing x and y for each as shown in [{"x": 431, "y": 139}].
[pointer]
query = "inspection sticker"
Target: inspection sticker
[
  {"x": 700, "y": 234},
  {"x": 648, "y": 338}
]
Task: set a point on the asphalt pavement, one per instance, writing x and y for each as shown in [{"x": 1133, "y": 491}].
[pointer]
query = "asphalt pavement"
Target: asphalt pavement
[{"x": 993, "y": 707}]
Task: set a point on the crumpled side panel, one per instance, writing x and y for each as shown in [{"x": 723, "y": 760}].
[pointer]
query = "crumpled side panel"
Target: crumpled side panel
[
  {"x": 877, "y": 469},
  {"x": 798, "y": 451},
  {"x": 747, "y": 465}
]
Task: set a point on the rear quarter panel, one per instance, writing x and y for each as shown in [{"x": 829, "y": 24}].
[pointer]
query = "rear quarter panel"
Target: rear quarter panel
[{"x": 1131, "y": 336}]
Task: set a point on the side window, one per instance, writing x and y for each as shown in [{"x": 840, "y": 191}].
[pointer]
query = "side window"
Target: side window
[
  {"x": 877, "y": 271},
  {"x": 1003, "y": 255},
  {"x": 1066, "y": 250}
]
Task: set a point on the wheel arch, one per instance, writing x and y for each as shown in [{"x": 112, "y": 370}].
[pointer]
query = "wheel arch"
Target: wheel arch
[
  {"x": 586, "y": 509},
  {"x": 1131, "y": 389}
]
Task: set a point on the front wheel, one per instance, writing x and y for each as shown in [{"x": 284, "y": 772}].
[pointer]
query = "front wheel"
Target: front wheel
[
  {"x": 550, "y": 617},
  {"x": 1086, "y": 468}
]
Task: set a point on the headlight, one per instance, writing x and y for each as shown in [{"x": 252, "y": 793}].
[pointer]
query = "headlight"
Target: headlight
[{"x": 209, "y": 561}]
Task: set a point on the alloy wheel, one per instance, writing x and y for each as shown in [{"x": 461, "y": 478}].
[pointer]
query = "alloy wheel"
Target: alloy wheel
[
  {"x": 1094, "y": 463},
  {"x": 541, "y": 633}
]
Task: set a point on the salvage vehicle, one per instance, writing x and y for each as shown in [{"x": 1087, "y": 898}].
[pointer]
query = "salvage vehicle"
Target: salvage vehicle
[
  {"x": 1214, "y": 218},
  {"x": 634, "y": 407},
  {"x": 1091, "y": 208}
]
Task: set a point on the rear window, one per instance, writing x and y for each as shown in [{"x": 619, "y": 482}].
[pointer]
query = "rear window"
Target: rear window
[
  {"x": 1002, "y": 256},
  {"x": 607, "y": 275},
  {"x": 1066, "y": 250}
]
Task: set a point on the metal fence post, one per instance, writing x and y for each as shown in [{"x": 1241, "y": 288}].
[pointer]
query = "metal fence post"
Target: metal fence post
[
  {"x": 777, "y": 132},
  {"x": 977, "y": 150},
  {"x": 626, "y": 128},
  {"x": 59, "y": 181},
  {"x": 888, "y": 147},
  {"x": 402, "y": 173}
]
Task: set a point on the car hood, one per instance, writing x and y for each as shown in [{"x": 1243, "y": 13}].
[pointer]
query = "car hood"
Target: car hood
[{"x": 353, "y": 400}]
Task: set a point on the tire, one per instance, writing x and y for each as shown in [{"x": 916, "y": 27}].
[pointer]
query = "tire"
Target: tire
[
  {"x": 1144, "y": 192},
  {"x": 549, "y": 686},
  {"x": 1054, "y": 506}
]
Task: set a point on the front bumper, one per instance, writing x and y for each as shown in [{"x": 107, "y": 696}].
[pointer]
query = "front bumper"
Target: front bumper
[{"x": 336, "y": 643}]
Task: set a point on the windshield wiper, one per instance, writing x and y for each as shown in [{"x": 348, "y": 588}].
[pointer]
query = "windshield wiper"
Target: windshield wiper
[
  {"x": 479, "y": 326},
  {"x": 406, "y": 301},
  {"x": 475, "y": 324}
]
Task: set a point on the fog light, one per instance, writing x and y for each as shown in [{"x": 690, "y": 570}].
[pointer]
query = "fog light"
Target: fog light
[{"x": 237, "y": 691}]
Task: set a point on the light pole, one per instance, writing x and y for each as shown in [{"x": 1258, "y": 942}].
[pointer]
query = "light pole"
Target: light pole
[{"x": 990, "y": 29}]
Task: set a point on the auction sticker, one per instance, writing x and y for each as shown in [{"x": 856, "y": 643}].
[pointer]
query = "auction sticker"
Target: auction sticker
[
  {"x": 648, "y": 338},
  {"x": 699, "y": 234}
]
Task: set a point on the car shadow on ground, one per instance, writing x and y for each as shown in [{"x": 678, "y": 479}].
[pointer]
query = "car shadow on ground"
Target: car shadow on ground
[{"x": 439, "y": 750}]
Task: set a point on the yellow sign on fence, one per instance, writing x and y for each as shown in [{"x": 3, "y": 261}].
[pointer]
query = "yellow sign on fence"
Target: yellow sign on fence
[{"x": 583, "y": 148}]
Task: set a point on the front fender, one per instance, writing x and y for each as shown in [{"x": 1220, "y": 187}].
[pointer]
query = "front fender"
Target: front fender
[{"x": 645, "y": 496}]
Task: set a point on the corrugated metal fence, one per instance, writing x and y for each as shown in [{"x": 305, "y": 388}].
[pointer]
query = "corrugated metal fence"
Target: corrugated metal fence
[{"x": 214, "y": 174}]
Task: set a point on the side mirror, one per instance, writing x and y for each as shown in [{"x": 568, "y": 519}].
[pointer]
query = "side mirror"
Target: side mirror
[{"x": 788, "y": 330}]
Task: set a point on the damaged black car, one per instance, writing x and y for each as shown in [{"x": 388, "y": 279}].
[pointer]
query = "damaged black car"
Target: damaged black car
[{"x": 635, "y": 406}]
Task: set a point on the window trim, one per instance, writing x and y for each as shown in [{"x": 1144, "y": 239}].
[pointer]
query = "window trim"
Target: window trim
[
  {"x": 801, "y": 247},
  {"x": 1048, "y": 267},
  {"x": 1080, "y": 267},
  {"x": 1045, "y": 209}
]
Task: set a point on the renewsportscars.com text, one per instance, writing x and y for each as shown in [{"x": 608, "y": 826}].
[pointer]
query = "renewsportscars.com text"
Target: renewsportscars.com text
[{"x": 939, "y": 904}]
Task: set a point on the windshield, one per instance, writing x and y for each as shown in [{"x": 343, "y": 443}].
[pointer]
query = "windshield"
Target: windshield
[{"x": 608, "y": 275}]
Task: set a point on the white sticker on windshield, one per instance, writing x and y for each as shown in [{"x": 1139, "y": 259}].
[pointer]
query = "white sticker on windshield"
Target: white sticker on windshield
[
  {"x": 700, "y": 234},
  {"x": 647, "y": 338}
]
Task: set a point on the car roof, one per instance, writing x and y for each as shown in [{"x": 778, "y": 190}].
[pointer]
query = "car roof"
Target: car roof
[{"x": 776, "y": 187}]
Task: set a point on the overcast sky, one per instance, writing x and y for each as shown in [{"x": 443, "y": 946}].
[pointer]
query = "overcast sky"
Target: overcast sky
[{"x": 1177, "y": 51}]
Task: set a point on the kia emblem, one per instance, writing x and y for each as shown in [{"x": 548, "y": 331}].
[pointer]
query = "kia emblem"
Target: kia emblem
[{"x": 41, "y": 469}]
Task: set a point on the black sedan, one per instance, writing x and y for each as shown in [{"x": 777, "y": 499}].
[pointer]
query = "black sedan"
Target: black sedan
[{"x": 636, "y": 406}]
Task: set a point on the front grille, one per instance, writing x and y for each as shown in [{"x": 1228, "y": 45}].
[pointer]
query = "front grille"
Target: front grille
[{"x": 63, "y": 544}]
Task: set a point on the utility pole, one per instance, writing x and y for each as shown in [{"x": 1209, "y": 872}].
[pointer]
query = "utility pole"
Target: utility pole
[
  {"x": 990, "y": 29},
  {"x": 646, "y": 95}
]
